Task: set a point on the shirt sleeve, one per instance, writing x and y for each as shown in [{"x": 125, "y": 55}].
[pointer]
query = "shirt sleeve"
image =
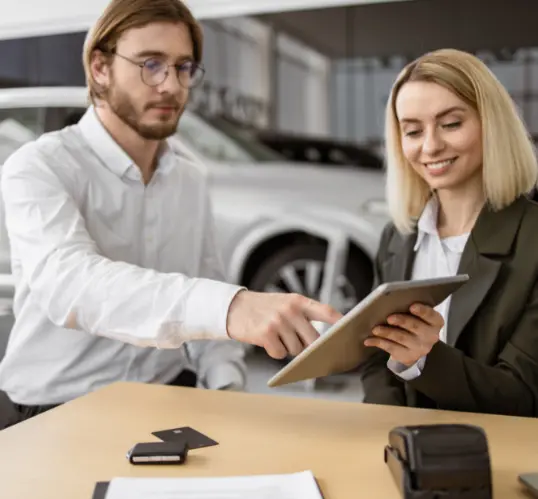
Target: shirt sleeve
[
  {"x": 220, "y": 365},
  {"x": 79, "y": 288},
  {"x": 404, "y": 372}
]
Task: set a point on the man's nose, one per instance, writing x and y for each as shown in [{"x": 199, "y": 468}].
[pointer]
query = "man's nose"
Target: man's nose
[{"x": 171, "y": 83}]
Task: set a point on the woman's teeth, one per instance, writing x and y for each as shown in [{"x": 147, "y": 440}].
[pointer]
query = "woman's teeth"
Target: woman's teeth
[{"x": 440, "y": 164}]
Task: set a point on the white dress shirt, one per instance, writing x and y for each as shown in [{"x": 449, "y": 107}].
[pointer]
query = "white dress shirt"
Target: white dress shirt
[
  {"x": 112, "y": 276},
  {"x": 435, "y": 257}
]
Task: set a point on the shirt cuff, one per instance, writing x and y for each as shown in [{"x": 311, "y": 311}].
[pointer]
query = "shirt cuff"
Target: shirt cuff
[
  {"x": 404, "y": 372},
  {"x": 207, "y": 308},
  {"x": 225, "y": 376}
]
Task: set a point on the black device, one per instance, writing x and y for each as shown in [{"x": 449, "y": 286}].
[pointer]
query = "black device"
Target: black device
[
  {"x": 448, "y": 461},
  {"x": 158, "y": 453},
  {"x": 530, "y": 480}
]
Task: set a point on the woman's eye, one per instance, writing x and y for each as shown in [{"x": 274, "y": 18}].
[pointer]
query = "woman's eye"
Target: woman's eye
[
  {"x": 454, "y": 124},
  {"x": 411, "y": 133}
]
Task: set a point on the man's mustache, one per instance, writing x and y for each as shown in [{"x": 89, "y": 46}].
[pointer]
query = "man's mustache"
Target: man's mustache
[{"x": 167, "y": 103}]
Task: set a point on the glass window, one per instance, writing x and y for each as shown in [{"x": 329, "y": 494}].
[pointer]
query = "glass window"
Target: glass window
[
  {"x": 60, "y": 117},
  {"x": 21, "y": 125},
  {"x": 212, "y": 138},
  {"x": 219, "y": 140},
  {"x": 18, "y": 126},
  {"x": 208, "y": 141}
]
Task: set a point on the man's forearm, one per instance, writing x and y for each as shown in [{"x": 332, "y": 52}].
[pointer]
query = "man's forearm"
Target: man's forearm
[{"x": 128, "y": 303}]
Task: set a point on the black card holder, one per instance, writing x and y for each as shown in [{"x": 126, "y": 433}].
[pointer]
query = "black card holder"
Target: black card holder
[
  {"x": 432, "y": 461},
  {"x": 158, "y": 453}
]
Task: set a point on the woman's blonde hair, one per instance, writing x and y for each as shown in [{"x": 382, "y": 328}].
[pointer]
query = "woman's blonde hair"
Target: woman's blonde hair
[
  {"x": 509, "y": 161},
  {"x": 123, "y": 15}
]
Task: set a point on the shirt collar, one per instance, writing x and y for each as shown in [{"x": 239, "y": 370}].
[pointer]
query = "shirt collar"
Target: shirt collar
[
  {"x": 427, "y": 223},
  {"x": 102, "y": 143},
  {"x": 167, "y": 159},
  {"x": 456, "y": 244},
  {"x": 109, "y": 151},
  {"x": 427, "y": 226}
]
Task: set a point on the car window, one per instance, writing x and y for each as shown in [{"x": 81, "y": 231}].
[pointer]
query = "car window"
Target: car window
[
  {"x": 217, "y": 141},
  {"x": 18, "y": 126},
  {"x": 210, "y": 142},
  {"x": 60, "y": 117},
  {"x": 246, "y": 139},
  {"x": 21, "y": 125}
]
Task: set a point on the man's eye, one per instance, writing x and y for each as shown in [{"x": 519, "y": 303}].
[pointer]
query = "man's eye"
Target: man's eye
[
  {"x": 186, "y": 67},
  {"x": 153, "y": 65}
]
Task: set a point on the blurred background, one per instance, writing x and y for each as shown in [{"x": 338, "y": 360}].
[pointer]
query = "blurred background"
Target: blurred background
[{"x": 289, "y": 120}]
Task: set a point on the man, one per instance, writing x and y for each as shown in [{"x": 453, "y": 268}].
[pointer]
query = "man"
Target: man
[{"x": 113, "y": 248}]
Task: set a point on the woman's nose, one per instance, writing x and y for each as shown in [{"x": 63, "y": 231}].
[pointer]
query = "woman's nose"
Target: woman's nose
[{"x": 433, "y": 143}]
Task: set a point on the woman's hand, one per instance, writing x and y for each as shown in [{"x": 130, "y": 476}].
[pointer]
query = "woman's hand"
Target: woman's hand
[{"x": 408, "y": 337}]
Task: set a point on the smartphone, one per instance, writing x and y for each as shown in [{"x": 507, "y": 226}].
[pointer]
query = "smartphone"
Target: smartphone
[{"x": 530, "y": 480}]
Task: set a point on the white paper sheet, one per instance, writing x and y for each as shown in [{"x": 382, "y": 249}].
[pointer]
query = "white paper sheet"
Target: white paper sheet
[{"x": 291, "y": 486}]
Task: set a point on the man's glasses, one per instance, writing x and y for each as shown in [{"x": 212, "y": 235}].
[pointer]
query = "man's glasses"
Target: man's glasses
[{"x": 154, "y": 71}]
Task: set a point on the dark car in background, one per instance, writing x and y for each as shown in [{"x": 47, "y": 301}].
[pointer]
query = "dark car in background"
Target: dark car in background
[
  {"x": 310, "y": 149},
  {"x": 301, "y": 148}
]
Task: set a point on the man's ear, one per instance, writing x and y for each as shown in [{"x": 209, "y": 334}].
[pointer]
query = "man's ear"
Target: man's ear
[{"x": 100, "y": 68}]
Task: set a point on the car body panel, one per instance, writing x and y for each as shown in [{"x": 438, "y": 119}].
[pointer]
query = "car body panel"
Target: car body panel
[{"x": 253, "y": 201}]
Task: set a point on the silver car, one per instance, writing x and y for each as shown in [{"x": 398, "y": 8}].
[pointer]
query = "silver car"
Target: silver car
[{"x": 282, "y": 226}]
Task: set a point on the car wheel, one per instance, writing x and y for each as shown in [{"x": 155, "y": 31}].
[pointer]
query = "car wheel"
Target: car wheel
[{"x": 299, "y": 269}]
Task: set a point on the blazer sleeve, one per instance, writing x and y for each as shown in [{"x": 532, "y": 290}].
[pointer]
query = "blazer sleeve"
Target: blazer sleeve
[
  {"x": 457, "y": 382},
  {"x": 380, "y": 385}
]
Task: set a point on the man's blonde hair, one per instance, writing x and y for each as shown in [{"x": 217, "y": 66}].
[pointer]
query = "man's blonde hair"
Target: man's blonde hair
[
  {"x": 123, "y": 15},
  {"x": 509, "y": 161}
]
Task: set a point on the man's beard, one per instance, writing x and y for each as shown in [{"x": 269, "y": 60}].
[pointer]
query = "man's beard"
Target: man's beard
[{"x": 124, "y": 108}]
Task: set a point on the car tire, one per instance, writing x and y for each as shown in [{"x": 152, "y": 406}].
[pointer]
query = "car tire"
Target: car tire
[{"x": 358, "y": 272}]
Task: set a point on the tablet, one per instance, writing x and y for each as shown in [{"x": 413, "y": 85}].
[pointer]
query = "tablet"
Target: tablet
[
  {"x": 530, "y": 480},
  {"x": 341, "y": 348}
]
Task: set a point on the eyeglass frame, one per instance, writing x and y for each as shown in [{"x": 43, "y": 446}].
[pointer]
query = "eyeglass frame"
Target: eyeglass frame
[{"x": 198, "y": 66}]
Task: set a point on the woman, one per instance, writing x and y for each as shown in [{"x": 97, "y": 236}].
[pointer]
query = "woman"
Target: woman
[{"x": 460, "y": 164}]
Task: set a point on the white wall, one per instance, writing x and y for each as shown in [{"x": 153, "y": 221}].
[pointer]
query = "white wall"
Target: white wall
[
  {"x": 247, "y": 57},
  {"x": 237, "y": 56},
  {"x": 358, "y": 95},
  {"x": 303, "y": 88},
  {"x": 44, "y": 17}
]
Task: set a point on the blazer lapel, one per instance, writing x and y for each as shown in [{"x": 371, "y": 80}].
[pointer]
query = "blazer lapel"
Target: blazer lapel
[
  {"x": 491, "y": 238},
  {"x": 401, "y": 251},
  {"x": 482, "y": 273}
]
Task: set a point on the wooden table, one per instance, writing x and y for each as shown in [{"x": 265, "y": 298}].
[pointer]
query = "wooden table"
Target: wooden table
[{"x": 62, "y": 453}]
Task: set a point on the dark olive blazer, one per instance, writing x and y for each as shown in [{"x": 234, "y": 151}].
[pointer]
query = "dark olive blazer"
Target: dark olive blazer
[{"x": 489, "y": 363}]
